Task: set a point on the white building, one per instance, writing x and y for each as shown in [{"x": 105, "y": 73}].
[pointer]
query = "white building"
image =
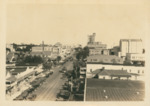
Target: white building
[
  {"x": 10, "y": 46},
  {"x": 130, "y": 46},
  {"x": 135, "y": 57},
  {"x": 133, "y": 70}
]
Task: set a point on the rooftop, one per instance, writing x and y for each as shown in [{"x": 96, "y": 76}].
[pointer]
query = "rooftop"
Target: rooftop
[
  {"x": 114, "y": 90},
  {"x": 111, "y": 72},
  {"x": 105, "y": 59},
  {"x": 130, "y": 40}
]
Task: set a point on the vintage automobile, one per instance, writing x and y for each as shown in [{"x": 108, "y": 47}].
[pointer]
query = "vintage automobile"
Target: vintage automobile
[
  {"x": 32, "y": 97},
  {"x": 64, "y": 94}
]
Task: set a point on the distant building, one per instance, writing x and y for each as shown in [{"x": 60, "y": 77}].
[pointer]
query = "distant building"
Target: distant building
[
  {"x": 41, "y": 51},
  {"x": 10, "y": 46},
  {"x": 58, "y": 44},
  {"x": 115, "y": 51},
  {"x": 92, "y": 44},
  {"x": 135, "y": 58},
  {"x": 55, "y": 50},
  {"x": 97, "y": 51},
  {"x": 91, "y": 38},
  {"x": 109, "y": 59},
  {"x": 37, "y": 49},
  {"x": 130, "y": 46}
]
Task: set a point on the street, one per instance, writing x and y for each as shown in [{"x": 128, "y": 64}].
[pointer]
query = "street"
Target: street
[{"x": 50, "y": 88}]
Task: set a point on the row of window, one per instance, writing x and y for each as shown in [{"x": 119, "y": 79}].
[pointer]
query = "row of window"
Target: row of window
[
  {"x": 138, "y": 71},
  {"x": 134, "y": 57},
  {"x": 112, "y": 60}
]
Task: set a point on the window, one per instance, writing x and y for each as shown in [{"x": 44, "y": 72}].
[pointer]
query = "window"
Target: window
[
  {"x": 94, "y": 59},
  {"x": 133, "y": 57},
  {"x": 90, "y": 70},
  {"x": 138, "y": 71},
  {"x": 143, "y": 71}
]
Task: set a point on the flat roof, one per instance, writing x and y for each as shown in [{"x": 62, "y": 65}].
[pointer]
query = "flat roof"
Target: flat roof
[{"x": 130, "y": 40}]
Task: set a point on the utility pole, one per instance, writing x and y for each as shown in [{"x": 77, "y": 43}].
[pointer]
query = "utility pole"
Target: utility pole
[{"x": 43, "y": 48}]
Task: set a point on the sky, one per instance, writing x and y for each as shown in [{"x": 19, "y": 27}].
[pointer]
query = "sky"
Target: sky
[{"x": 71, "y": 23}]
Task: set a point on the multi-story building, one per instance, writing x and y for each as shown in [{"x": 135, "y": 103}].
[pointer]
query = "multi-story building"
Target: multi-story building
[
  {"x": 92, "y": 44},
  {"x": 55, "y": 50},
  {"x": 37, "y": 49},
  {"x": 130, "y": 46},
  {"x": 135, "y": 58},
  {"x": 98, "y": 51},
  {"x": 106, "y": 59}
]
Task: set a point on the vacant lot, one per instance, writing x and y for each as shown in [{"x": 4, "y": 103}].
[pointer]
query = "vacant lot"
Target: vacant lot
[{"x": 114, "y": 90}]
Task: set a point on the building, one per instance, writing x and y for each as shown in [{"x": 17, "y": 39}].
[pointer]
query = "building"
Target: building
[
  {"x": 115, "y": 51},
  {"x": 11, "y": 57},
  {"x": 114, "y": 90},
  {"x": 111, "y": 74},
  {"x": 82, "y": 72},
  {"x": 55, "y": 51},
  {"x": 104, "y": 59},
  {"x": 41, "y": 48},
  {"x": 135, "y": 58},
  {"x": 91, "y": 38},
  {"x": 98, "y": 51},
  {"x": 92, "y": 44},
  {"x": 130, "y": 46},
  {"x": 10, "y": 46},
  {"x": 136, "y": 72}
]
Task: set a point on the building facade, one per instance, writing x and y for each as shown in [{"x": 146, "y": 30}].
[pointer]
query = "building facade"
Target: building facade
[
  {"x": 106, "y": 59},
  {"x": 92, "y": 44},
  {"x": 136, "y": 72},
  {"x": 130, "y": 46},
  {"x": 135, "y": 58},
  {"x": 97, "y": 51}
]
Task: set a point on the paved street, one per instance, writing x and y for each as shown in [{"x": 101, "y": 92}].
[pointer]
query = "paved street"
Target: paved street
[{"x": 50, "y": 88}]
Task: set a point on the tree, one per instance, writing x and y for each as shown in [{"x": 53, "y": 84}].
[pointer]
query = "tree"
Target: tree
[
  {"x": 86, "y": 51},
  {"x": 58, "y": 58},
  {"x": 47, "y": 65},
  {"x": 7, "y": 49},
  {"x": 33, "y": 59},
  {"x": 82, "y": 53},
  {"x": 19, "y": 49},
  {"x": 14, "y": 46}
]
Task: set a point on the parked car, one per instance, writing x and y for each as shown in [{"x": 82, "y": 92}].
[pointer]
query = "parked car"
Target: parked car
[
  {"x": 64, "y": 94},
  {"x": 32, "y": 97}
]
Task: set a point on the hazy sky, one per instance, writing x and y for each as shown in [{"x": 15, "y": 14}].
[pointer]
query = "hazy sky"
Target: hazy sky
[{"x": 71, "y": 23}]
